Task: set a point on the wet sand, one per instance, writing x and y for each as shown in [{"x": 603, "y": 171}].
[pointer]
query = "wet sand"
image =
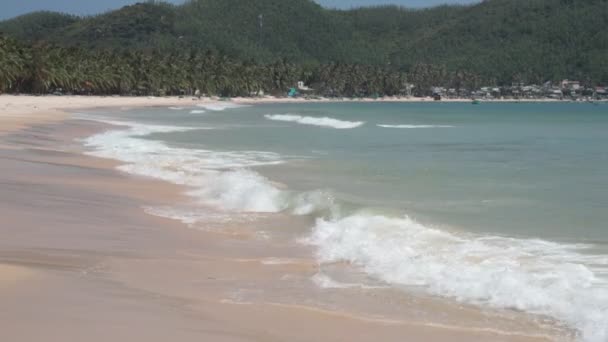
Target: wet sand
[{"x": 81, "y": 260}]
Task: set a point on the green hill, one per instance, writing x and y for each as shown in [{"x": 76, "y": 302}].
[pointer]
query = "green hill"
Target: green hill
[
  {"x": 37, "y": 25},
  {"x": 493, "y": 42}
]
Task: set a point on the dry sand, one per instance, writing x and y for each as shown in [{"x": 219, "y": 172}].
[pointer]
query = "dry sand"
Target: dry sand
[
  {"x": 18, "y": 111},
  {"x": 81, "y": 261}
]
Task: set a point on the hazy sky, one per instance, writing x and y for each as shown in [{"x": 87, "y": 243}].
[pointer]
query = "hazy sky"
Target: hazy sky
[{"x": 11, "y": 8}]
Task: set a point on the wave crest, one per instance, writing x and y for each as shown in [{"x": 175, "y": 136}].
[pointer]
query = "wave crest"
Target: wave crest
[
  {"x": 219, "y": 177},
  {"x": 534, "y": 276},
  {"x": 315, "y": 121}
]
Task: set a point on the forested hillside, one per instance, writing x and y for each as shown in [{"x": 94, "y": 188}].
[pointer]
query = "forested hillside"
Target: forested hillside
[{"x": 493, "y": 42}]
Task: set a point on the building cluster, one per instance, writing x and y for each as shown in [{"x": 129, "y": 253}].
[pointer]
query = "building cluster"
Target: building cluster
[{"x": 564, "y": 90}]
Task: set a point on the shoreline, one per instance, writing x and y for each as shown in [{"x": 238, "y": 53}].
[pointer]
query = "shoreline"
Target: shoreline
[
  {"x": 269, "y": 100},
  {"x": 163, "y": 270},
  {"x": 12, "y": 105}
]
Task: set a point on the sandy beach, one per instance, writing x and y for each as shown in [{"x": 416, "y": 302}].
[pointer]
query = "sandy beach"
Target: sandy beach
[
  {"x": 17, "y": 110},
  {"x": 80, "y": 259}
]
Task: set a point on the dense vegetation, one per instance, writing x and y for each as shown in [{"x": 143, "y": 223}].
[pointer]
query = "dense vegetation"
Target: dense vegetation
[
  {"x": 237, "y": 47},
  {"x": 43, "y": 69}
]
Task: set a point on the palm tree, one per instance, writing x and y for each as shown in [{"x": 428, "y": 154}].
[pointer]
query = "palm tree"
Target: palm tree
[{"x": 12, "y": 64}]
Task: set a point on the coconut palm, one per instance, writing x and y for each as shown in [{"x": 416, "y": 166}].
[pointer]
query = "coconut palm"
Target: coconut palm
[{"x": 11, "y": 64}]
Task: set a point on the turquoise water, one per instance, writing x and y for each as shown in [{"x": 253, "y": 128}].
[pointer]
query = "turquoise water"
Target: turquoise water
[
  {"x": 537, "y": 170},
  {"x": 499, "y": 204}
]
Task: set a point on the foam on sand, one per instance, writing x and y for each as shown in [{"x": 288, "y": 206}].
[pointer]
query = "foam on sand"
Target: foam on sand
[
  {"x": 315, "y": 121},
  {"x": 414, "y": 126},
  {"x": 324, "y": 281},
  {"x": 534, "y": 276}
]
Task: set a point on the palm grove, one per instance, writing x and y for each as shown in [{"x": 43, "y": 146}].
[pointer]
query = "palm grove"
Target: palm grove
[{"x": 227, "y": 48}]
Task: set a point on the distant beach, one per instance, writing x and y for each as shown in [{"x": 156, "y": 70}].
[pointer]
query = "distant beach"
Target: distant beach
[
  {"x": 12, "y": 104},
  {"x": 396, "y": 99}
]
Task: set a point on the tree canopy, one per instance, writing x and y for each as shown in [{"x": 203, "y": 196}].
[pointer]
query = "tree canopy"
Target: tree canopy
[{"x": 494, "y": 42}]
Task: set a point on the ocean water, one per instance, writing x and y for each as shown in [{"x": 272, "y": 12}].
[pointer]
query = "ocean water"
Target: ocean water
[{"x": 498, "y": 205}]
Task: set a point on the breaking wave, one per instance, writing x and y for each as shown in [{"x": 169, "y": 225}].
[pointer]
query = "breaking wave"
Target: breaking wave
[
  {"x": 315, "y": 121},
  {"x": 534, "y": 276},
  {"x": 221, "y": 179}
]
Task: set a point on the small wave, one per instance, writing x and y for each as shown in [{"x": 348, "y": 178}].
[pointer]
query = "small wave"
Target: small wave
[
  {"x": 220, "y": 178},
  {"x": 135, "y": 129},
  {"x": 315, "y": 121},
  {"x": 414, "y": 126},
  {"x": 220, "y": 106},
  {"x": 240, "y": 190},
  {"x": 176, "y": 108},
  {"x": 197, "y": 111},
  {"x": 534, "y": 276}
]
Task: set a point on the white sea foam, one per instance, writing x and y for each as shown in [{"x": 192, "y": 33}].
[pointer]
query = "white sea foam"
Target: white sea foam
[
  {"x": 280, "y": 261},
  {"x": 219, "y": 178},
  {"x": 324, "y": 281},
  {"x": 310, "y": 202},
  {"x": 240, "y": 190},
  {"x": 315, "y": 121},
  {"x": 192, "y": 216},
  {"x": 535, "y": 276},
  {"x": 220, "y": 106},
  {"x": 198, "y": 111},
  {"x": 176, "y": 108},
  {"x": 414, "y": 126}
]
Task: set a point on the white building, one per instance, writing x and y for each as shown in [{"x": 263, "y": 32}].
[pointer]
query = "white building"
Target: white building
[{"x": 301, "y": 86}]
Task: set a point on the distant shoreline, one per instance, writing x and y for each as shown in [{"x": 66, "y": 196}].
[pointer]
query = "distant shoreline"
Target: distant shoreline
[
  {"x": 13, "y": 104},
  {"x": 271, "y": 99}
]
